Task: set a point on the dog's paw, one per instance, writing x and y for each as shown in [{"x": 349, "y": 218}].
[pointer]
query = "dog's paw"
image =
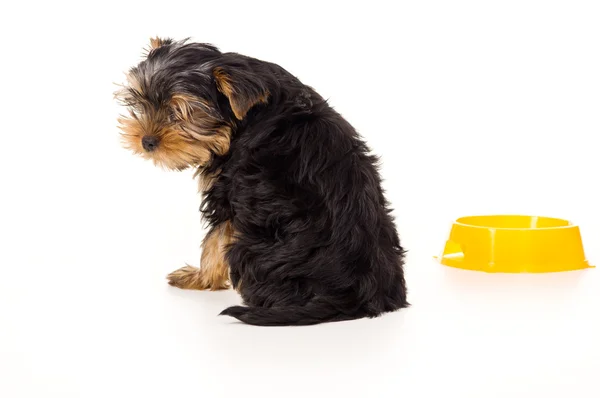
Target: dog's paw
[{"x": 187, "y": 277}]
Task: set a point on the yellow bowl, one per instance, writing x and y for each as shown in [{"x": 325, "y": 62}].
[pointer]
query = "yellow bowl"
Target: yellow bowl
[{"x": 511, "y": 243}]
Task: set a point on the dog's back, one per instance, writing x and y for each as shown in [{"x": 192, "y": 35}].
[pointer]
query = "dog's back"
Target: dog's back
[{"x": 316, "y": 240}]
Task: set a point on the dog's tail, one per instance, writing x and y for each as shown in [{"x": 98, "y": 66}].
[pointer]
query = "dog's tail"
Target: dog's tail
[{"x": 313, "y": 312}]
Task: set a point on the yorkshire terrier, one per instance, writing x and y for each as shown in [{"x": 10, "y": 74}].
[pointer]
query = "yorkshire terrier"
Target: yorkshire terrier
[{"x": 298, "y": 221}]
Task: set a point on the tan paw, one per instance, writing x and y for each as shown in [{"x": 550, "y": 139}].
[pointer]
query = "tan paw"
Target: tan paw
[{"x": 187, "y": 277}]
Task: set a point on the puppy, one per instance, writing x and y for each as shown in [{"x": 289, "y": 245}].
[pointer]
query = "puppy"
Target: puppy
[{"x": 298, "y": 221}]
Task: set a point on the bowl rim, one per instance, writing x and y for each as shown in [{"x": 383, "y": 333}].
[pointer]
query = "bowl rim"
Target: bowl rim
[{"x": 462, "y": 221}]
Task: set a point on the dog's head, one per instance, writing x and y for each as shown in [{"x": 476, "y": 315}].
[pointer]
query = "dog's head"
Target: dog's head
[{"x": 183, "y": 100}]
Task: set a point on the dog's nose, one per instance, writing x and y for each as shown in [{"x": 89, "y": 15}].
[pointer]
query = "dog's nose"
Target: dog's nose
[{"x": 149, "y": 143}]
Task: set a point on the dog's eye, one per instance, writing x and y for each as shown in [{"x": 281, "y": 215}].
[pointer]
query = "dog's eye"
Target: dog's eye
[{"x": 172, "y": 116}]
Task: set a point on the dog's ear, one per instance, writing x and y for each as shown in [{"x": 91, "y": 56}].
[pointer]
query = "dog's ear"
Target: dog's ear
[
  {"x": 156, "y": 42},
  {"x": 242, "y": 87}
]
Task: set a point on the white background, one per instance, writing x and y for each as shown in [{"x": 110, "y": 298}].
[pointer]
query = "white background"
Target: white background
[{"x": 475, "y": 107}]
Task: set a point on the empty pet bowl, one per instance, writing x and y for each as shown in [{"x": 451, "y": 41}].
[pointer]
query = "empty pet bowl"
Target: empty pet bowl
[{"x": 505, "y": 243}]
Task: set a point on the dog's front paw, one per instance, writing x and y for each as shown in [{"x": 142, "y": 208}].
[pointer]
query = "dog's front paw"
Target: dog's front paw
[{"x": 187, "y": 277}]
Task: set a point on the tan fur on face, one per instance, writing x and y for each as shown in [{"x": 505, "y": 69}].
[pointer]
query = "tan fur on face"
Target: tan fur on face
[
  {"x": 213, "y": 273},
  {"x": 190, "y": 132},
  {"x": 175, "y": 151}
]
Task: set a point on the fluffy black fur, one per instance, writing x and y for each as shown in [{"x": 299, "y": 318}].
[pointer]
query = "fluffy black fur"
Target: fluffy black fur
[{"x": 315, "y": 240}]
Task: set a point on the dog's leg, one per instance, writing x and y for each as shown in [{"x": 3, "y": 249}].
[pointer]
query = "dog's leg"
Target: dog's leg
[{"x": 213, "y": 273}]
